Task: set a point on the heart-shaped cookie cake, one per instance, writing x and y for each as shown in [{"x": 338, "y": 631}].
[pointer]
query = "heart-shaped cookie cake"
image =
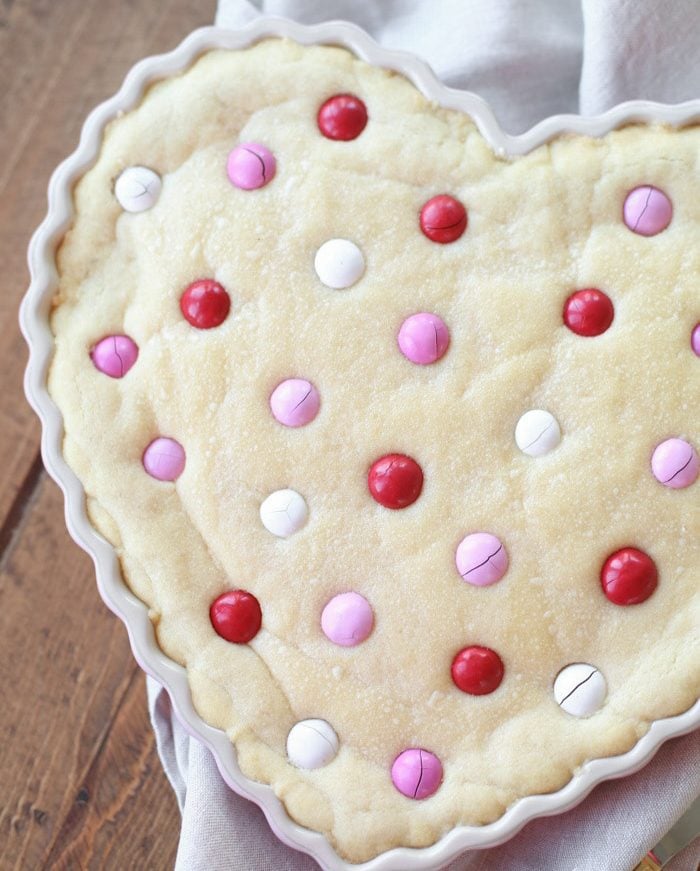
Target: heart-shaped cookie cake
[{"x": 396, "y": 437}]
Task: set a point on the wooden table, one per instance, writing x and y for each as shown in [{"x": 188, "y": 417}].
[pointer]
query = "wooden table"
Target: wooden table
[{"x": 80, "y": 782}]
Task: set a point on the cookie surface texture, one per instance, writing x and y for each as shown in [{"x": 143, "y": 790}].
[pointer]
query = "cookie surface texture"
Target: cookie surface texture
[{"x": 536, "y": 230}]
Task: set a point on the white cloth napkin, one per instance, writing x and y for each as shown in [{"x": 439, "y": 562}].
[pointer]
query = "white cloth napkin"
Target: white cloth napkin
[{"x": 529, "y": 59}]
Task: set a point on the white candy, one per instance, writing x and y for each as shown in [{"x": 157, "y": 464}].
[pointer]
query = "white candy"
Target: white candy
[
  {"x": 311, "y": 744},
  {"x": 284, "y": 512},
  {"x": 339, "y": 263},
  {"x": 137, "y": 188},
  {"x": 537, "y": 433},
  {"x": 580, "y": 689}
]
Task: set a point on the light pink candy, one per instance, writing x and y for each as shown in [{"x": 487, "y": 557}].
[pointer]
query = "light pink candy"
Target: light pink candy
[
  {"x": 481, "y": 559},
  {"x": 695, "y": 339},
  {"x": 114, "y": 355},
  {"x": 295, "y": 402},
  {"x": 164, "y": 459},
  {"x": 647, "y": 210},
  {"x": 675, "y": 463},
  {"x": 423, "y": 338},
  {"x": 416, "y": 773},
  {"x": 347, "y": 619},
  {"x": 250, "y": 166}
]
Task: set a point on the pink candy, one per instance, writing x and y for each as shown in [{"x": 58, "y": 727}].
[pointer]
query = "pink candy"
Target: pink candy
[
  {"x": 295, "y": 402},
  {"x": 647, "y": 210},
  {"x": 416, "y": 773},
  {"x": 481, "y": 559},
  {"x": 164, "y": 459},
  {"x": 114, "y": 355},
  {"x": 675, "y": 464},
  {"x": 423, "y": 338},
  {"x": 250, "y": 166},
  {"x": 695, "y": 339},
  {"x": 347, "y": 619}
]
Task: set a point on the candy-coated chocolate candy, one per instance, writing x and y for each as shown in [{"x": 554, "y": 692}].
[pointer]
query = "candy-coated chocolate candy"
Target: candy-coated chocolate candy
[
  {"x": 342, "y": 117},
  {"x": 477, "y": 670},
  {"x": 295, "y": 402},
  {"x": 114, "y": 355},
  {"x": 629, "y": 576},
  {"x": 284, "y": 512},
  {"x": 588, "y": 312},
  {"x": 205, "y": 304},
  {"x": 481, "y": 559},
  {"x": 580, "y": 689},
  {"x": 236, "y": 616},
  {"x": 647, "y": 210},
  {"x": 250, "y": 166},
  {"x": 695, "y": 339},
  {"x": 137, "y": 188},
  {"x": 339, "y": 263},
  {"x": 416, "y": 773},
  {"x": 537, "y": 433},
  {"x": 347, "y": 619},
  {"x": 395, "y": 481},
  {"x": 311, "y": 744},
  {"x": 423, "y": 338},
  {"x": 164, "y": 459},
  {"x": 443, "y": 219},
  {"x": 675, "y": 463}
]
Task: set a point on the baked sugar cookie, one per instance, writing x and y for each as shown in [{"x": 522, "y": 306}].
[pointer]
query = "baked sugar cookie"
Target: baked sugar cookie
[{"x": 396, "y": 437}]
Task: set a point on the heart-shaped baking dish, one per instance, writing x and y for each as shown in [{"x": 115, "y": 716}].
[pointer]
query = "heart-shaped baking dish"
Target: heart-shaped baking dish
[{"x": 344, "y": 272}]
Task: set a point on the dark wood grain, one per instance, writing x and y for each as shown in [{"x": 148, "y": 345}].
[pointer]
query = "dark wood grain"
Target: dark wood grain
[
  {"x": 71, "y": 676},
  {"x": 80, "y": 781},
  {"x": 105, "y": 809}
]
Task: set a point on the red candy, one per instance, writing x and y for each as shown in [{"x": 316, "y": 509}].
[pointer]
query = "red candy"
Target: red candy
[
  {"x": 342, "y": 117},
  {"x": 205, "y": 304},
  {"x": 477, "y": 670},
  {"x": 395, "y": 481},
  {"x": 443, "y": 219},
  {"x": 629, "y": 576},
  {"x": 588, "y": 312},
  {"x": 236, "y": 616}
]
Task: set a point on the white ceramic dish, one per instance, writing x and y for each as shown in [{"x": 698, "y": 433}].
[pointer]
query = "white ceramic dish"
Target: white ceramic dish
[{"x": 34, "y": 318}]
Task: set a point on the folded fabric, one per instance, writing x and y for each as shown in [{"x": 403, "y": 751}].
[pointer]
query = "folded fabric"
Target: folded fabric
[{"x": 527, "y": 59}]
